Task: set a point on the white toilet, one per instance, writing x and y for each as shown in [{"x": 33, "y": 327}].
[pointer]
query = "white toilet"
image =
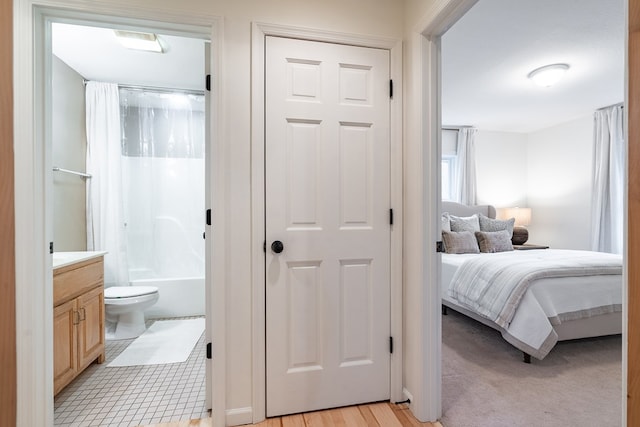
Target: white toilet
[{"x": 124, "y": 310}]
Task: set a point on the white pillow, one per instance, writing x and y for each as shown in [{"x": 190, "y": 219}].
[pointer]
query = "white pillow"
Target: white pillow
[
  {"x": 446, "y": 222},
  {"x": 465, "y": 223}
]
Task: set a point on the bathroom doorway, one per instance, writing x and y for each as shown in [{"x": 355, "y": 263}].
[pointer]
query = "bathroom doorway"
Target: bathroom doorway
[{"x": 157, "y": 198}]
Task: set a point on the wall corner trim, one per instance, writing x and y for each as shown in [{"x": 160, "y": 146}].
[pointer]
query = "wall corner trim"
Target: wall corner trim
[{"x": 239, "y": 416}]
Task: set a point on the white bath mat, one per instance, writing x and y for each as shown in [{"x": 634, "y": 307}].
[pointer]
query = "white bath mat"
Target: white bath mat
[{"x": 166, "y": 341}]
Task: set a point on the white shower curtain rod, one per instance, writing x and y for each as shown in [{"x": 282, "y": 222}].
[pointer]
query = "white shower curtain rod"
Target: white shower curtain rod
[
  {"x": 156, "y": 89},
  {"x": 82, "y": 174}
]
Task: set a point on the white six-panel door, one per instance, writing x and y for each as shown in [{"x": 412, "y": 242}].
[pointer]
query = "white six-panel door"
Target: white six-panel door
[{"x": 327, "y": 201}]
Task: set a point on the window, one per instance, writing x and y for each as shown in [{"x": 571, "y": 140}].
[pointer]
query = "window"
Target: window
[
  {"x": 448, "y": 168},
  {"x": 449, "y": 160}
]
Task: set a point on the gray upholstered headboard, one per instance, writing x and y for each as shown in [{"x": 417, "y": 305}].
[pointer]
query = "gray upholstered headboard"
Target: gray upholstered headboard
[{"x": 457, "y": 209}]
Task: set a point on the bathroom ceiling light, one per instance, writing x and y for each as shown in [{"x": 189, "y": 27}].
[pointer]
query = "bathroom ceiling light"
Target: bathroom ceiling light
[
  {"x": 139, "y": 41},
  {"x": 548, "y": 75}
]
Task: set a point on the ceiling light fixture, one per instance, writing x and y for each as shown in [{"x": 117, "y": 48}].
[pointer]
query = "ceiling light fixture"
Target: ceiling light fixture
[
  {"x": 139, "y": 41},
  {"x": 548, "y": 75}
]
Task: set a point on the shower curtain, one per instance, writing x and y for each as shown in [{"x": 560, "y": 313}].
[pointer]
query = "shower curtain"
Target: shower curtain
[
  {"x": 105, "y": 217},
  {"x": 163, "y": 177}
]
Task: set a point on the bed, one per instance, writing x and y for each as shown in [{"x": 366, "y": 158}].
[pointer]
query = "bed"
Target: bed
[{"x": 535, "y": 298}]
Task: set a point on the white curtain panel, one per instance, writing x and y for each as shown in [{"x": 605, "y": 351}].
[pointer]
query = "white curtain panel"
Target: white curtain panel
[
  {"x": 466, "y": 166},
  {"x": 608, "y": 180},
  {"x": 105, "y": 219}
]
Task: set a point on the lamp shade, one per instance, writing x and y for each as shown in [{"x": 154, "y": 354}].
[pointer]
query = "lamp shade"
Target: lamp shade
[{"x": 522, "y": 215}]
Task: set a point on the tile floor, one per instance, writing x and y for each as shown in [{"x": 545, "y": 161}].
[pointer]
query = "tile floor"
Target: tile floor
[{"x": 134, "y": 395}]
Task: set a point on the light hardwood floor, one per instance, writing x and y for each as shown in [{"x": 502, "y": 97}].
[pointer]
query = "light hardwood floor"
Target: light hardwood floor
[{"x": 372, "y": 415}]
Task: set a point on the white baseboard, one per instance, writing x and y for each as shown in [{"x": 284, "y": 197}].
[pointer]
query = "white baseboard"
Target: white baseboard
[
  {"x": 407, "y": 395},
  {"x": 239, "y": 416}
]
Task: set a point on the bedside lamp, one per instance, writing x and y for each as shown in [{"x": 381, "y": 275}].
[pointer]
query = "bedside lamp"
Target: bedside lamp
[{"x": 523, "y": 218}]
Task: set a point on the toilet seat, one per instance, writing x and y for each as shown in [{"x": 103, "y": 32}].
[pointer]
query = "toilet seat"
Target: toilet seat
[{"x": 116, "y": 292}]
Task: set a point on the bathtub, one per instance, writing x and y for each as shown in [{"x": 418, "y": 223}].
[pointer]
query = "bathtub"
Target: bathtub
[{"x": 179, "y": 297}]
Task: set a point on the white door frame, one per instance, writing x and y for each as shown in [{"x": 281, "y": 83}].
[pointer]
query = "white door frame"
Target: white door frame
[
  {"x": 426, "y": 404},
  {"x": 259, "y": 32},
  {"x": 34, "y": 295}
]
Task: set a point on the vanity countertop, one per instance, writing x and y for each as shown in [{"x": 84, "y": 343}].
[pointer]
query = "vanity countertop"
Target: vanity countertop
[{"x": 62, "y": 259}]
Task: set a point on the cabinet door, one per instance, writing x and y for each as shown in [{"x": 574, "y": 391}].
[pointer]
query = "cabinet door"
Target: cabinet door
[
  {"x": 65, "y": 344},
  {"x": 91, "y": 327}
]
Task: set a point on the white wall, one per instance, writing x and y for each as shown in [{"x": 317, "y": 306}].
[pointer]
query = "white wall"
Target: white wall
[
  {"x": 560, "y": 164},
  {"x": 379, "y": 18},
  {"x": 413, "y": 257},
  {"x": 501, "y": 168},
  {"x": 422, "y": 330},
  {"x": 68, "y": 151},
  {"x": 550, "y": 171}
]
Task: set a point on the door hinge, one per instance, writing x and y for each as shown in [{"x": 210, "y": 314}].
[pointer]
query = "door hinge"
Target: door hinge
[
  {"x": 208, "y": 216},
  {"x": 391, "y": 89},
  {"x": 208, "y": 82},
  {"x": 209, "y": 350},
  {"x": 439, "y": 246},
  {"x": 391, "y": 345},
  {"x": 264, "y": 246},
  {"x": 50, "y": 247},
  {"x": 390, "y": 216}
]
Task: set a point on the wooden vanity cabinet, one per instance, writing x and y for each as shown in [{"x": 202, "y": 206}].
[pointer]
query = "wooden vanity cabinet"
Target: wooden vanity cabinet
[{"x": 78, "y": 319}]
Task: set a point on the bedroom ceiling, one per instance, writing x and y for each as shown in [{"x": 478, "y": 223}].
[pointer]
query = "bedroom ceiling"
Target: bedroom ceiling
[
  {"x": 487, "y": 55},
  {"x": 96, "y": 54}
]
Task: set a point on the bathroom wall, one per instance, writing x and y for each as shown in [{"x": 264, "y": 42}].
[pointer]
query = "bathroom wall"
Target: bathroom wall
[{"x": 68, "y": 152}]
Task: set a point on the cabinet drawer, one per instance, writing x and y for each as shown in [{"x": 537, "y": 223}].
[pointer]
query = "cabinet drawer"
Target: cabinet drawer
[{"x": 70, "y": 283}]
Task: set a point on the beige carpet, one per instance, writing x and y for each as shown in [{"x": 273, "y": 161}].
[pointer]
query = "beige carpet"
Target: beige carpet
[{"x": 486, "y": 384}]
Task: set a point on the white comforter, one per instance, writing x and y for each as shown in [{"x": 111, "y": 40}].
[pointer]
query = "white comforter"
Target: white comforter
[{"x": 543, "y": 300}]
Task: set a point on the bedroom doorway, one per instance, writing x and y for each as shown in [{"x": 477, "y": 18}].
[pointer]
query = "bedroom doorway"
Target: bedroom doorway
[{"x": 610, "y": 360}]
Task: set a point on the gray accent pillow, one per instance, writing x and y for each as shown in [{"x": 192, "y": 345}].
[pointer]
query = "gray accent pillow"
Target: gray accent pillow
[
  {"x": 446, "y": 222},
  {"x": 490, "y": 224},
  {"x": 462, "y": 242},
  {"x": 465, "y": 223},
  {"x": 494, "y": 241}
]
